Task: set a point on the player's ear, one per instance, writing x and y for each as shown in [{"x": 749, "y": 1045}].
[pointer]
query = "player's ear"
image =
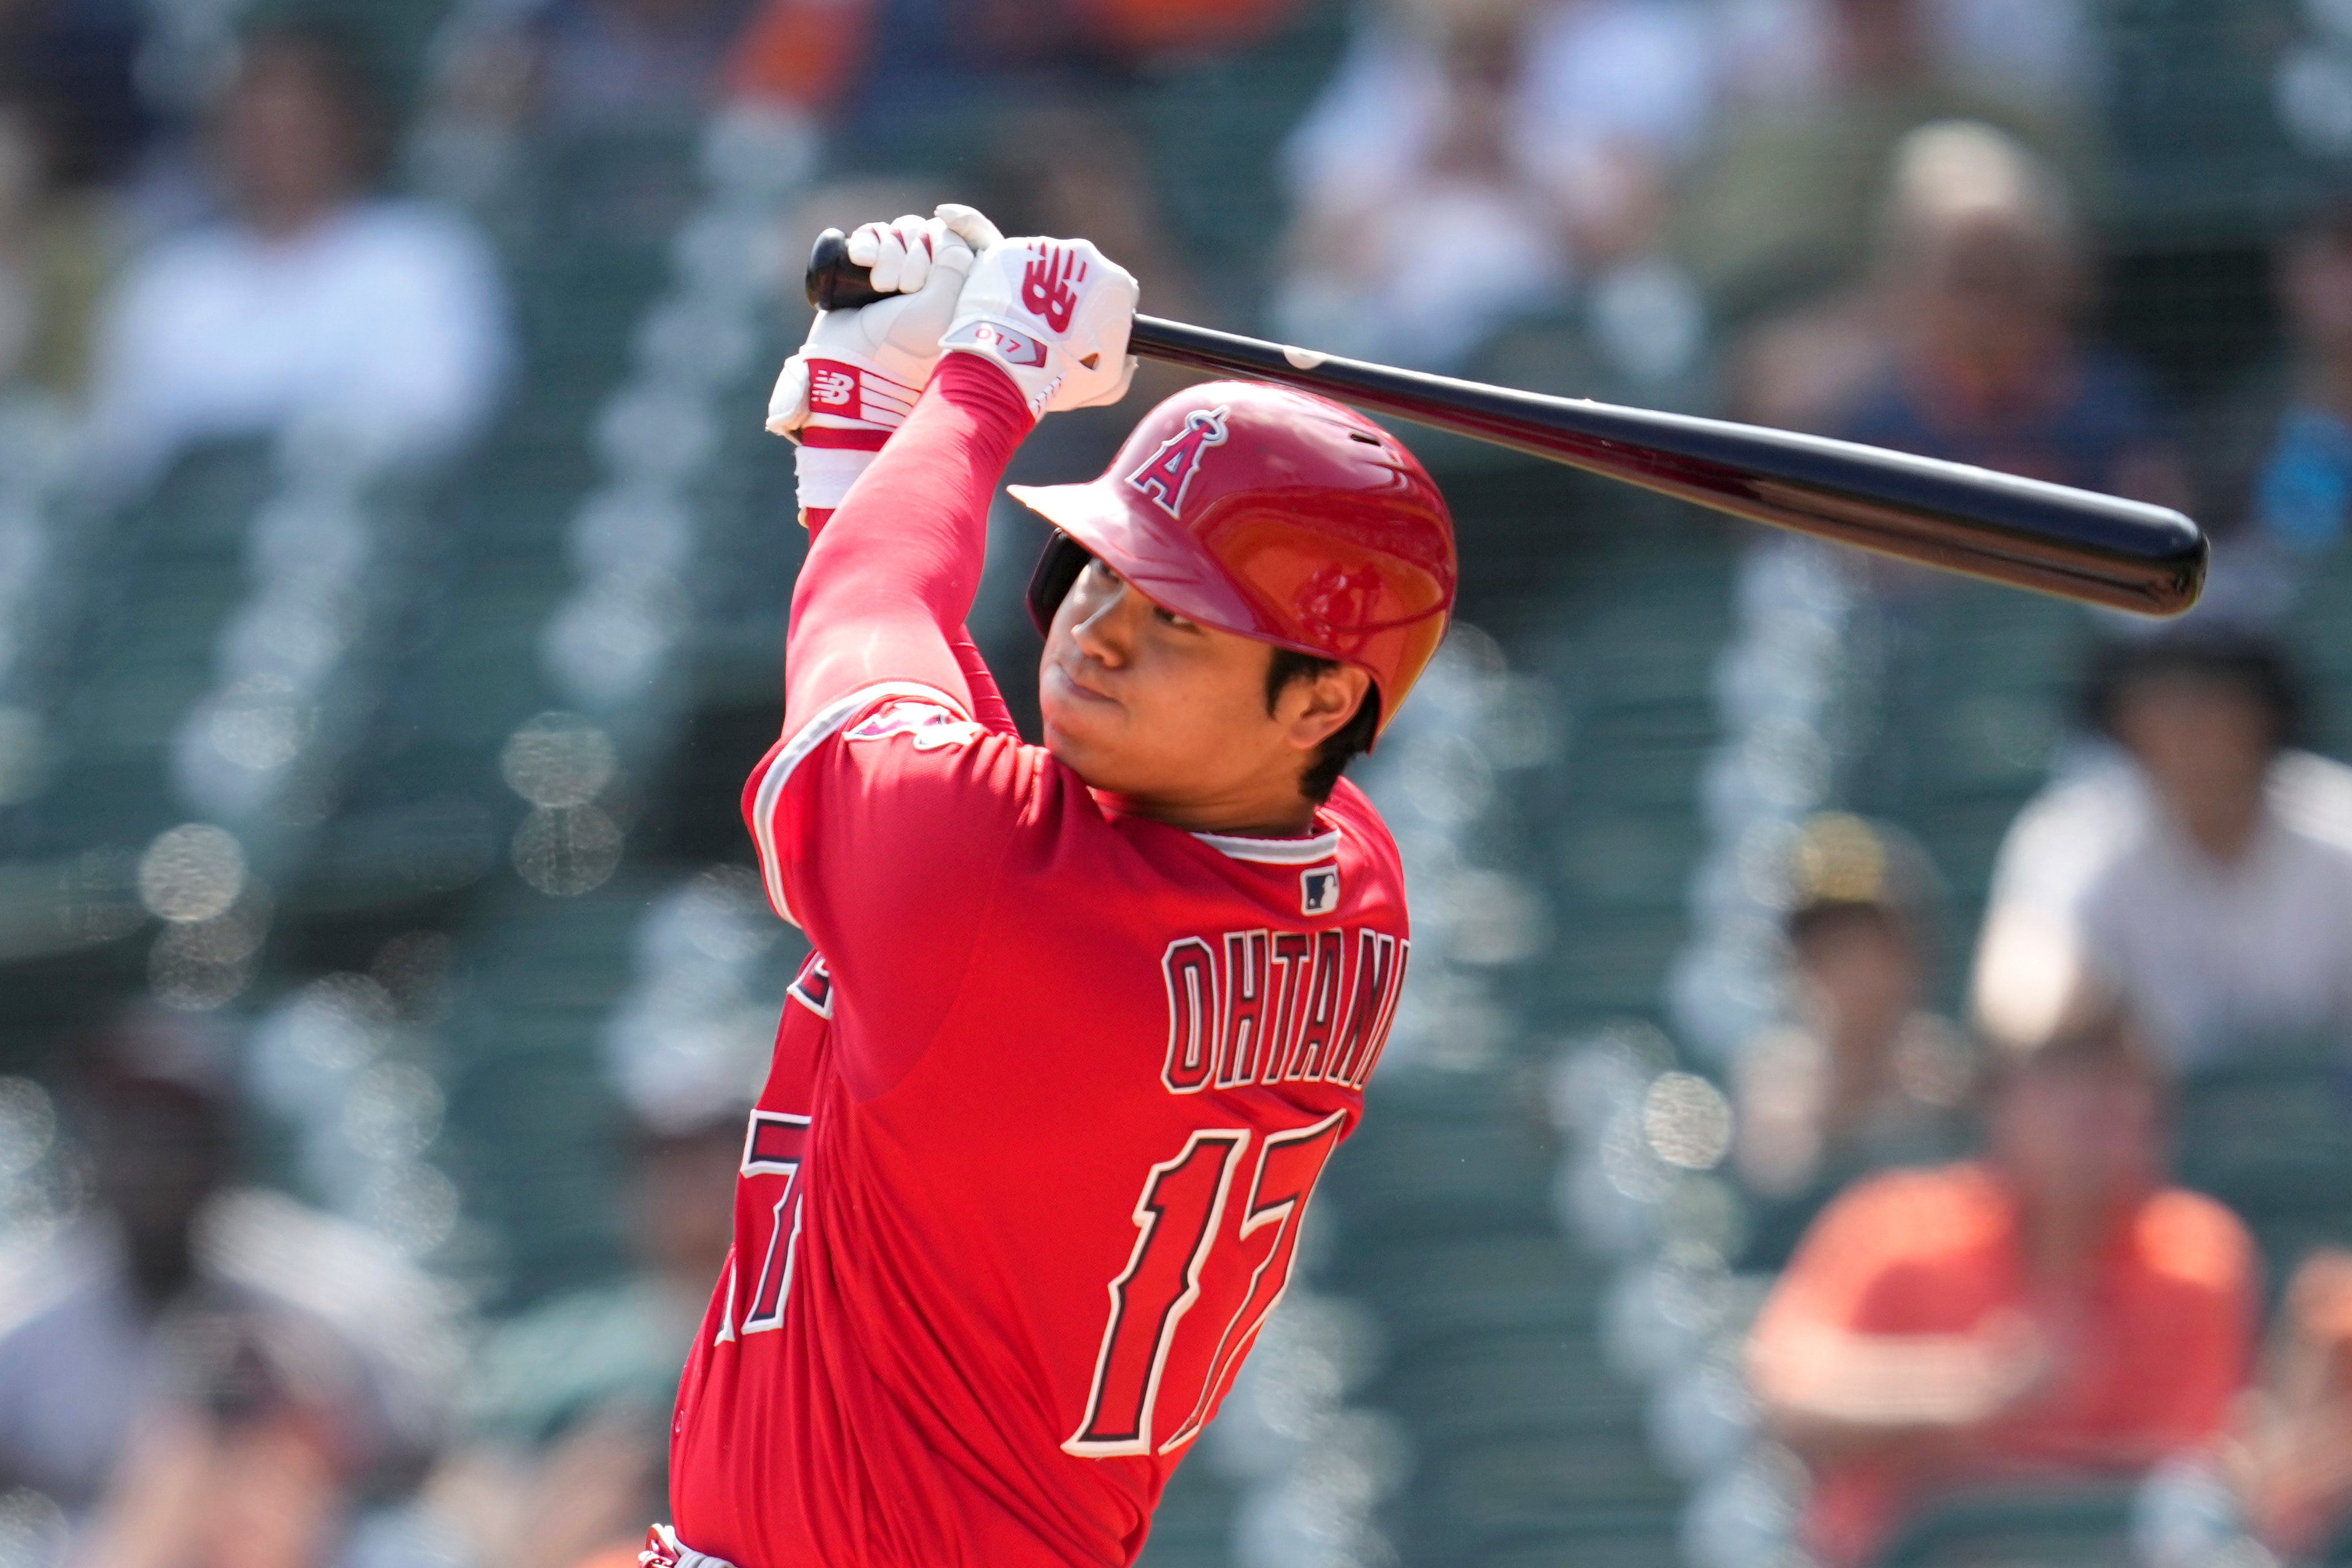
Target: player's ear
[{"x": 1315, "y": 708}]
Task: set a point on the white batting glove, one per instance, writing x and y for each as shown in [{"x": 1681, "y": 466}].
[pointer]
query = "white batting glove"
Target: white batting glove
[
  {"x": 859, "y": 372},
  {"x": 1054, "y": 313}
]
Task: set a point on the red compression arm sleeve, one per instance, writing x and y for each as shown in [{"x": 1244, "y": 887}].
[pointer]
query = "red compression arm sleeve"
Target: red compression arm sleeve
[
  {"x": 891, "y": 574},
  {"x": 987, "y": 701}
]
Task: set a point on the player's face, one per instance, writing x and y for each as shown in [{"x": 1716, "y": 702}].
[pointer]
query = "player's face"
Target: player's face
[{"x": 1172, "y": 715}]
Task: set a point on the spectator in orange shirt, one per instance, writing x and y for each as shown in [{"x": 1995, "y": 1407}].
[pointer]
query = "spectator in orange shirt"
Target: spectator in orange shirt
[
  {"x": 2050, "y": 1310},
  {"x": 809, "y": 56}
]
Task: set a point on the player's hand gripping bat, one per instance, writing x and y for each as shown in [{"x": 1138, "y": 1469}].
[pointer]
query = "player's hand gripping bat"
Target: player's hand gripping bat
[{"x": 2101, "y": 549}]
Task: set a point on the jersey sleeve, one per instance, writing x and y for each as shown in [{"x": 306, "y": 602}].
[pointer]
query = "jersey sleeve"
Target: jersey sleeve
[{"x": 883, "y": 828}]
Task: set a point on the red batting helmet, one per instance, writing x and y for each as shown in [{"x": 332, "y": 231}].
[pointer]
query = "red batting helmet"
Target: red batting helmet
[{"x": 1271, "y": 514}]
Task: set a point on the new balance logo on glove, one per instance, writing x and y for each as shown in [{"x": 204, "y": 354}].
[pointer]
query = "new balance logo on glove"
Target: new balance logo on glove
[
  {"x": 1045, "y": 284},
  {"x": 835, "y": 387}
]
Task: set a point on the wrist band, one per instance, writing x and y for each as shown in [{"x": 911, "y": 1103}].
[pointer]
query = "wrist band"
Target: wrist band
[{"x": 824, "y": 474}]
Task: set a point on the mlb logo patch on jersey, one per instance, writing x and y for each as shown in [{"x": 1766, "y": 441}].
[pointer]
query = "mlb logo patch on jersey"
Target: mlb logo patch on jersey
[
  {"x": 931, "y": 725},
  {"x": 1318, "y": 890}
]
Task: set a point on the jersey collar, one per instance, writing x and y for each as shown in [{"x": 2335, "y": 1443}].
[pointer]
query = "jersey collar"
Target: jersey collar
[{"x": 1275, "y": 852}]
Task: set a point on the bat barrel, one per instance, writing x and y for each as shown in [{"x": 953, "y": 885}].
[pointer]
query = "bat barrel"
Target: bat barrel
[{"x": 2051, "y": 539}]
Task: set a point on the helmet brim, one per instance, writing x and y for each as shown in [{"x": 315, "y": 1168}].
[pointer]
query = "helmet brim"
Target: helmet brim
[{"x": 1172, "y": 576}]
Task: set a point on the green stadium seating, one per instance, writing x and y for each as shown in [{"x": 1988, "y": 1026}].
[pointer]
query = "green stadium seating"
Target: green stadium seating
[{"x": 2085, "y": 1527}]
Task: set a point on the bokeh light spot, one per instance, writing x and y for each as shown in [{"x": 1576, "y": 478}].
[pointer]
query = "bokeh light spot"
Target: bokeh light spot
[
  {"x": 558, "y": 759},
  {"x": 567, "y": 851},
  {"x": 193, "y": 872},
  {"x": 1687, "y": 1121}
]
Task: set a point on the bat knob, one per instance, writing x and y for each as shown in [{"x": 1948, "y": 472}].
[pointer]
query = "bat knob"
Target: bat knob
[{"x": 833, "y": 281}]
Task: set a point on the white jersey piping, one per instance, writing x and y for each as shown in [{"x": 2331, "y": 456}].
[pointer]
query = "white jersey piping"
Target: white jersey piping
[{"x": 812, "y": 735}]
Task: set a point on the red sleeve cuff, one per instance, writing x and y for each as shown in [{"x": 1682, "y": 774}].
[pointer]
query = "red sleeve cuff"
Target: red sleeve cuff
[{"x": 984, "y": 389}]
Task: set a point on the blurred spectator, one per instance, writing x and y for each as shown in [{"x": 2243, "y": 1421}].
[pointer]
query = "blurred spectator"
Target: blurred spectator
[
  {"x": 575, "y": 65},
  {"x": 55, "y": 246},
  {"x": 1821, "y": 91},
  {"x": 2275, "y": 452},
  {"x": 609, "y": 97},
  {"x": 2021, "y": 51},
  {"x": 71, "y": 127},
  {"x": 2292, "y": 1459},
  {"x": 569, "y": 1404},
  {"x": 614, "y": 62},
  {"x": 203, "y": 1375},
  {"x": 2050, "y": 1310},
  {"x": 1982, "y": 271},
  {"x": 317, "y": 301},
  {"x": 1865, "y": 1076},
  {"x": 812, "y": 57},
  {"x": 74, "y": 66},
  {"x": 2205, "y": 868},
  {"x": 1965, "y": 348},
  {"x": 1537, "y": 137},
  {"x": 801, "y": 58},
  {"x": 255, "y": 1471}
]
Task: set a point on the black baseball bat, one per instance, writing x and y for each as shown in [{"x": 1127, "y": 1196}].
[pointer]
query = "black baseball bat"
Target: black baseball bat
[{"x": 2075, "y": 544}]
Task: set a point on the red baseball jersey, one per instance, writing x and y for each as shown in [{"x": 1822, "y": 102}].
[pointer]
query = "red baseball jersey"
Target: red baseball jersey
[{"x": 1048, "y": 1099}]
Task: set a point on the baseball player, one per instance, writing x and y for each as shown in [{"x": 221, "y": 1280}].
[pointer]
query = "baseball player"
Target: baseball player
[{"x": 1083, "y": 1020}]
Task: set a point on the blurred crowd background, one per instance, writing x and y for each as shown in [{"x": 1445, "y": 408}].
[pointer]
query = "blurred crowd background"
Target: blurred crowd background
[{"x": 1872, "y": 1087}]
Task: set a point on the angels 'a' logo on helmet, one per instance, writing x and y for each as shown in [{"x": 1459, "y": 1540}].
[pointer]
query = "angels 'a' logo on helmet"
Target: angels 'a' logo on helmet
[{"x": 1168, "y": 473}]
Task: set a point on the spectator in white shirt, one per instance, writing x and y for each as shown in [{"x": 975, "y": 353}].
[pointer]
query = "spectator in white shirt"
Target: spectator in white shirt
[
  {"x": 1536, "y": 136},
  {"x": 2203, "y": 870},
  {"x": 316, "y": 299}
]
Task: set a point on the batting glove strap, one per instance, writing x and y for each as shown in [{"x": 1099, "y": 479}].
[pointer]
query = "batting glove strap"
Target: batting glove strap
[
  {"x": 851, "y": 409},
  {"x": 822, "y": 474}
]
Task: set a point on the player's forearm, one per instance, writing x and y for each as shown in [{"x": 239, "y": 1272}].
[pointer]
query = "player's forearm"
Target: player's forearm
[{"x": 890, "y": 579}]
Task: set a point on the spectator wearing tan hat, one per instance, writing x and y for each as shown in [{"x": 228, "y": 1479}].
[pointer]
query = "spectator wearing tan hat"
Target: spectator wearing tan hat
[{"x": 1862, "y": 1075}]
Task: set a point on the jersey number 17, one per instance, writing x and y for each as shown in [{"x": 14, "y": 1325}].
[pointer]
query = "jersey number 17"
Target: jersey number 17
[{"x": 1208, "y": 1266}]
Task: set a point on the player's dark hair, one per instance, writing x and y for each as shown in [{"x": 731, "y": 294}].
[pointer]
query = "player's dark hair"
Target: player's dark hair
[
  {"x": 1342, "y": 745},
  {"x": 2254, "y": 664}
]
